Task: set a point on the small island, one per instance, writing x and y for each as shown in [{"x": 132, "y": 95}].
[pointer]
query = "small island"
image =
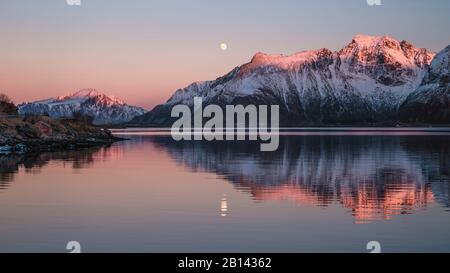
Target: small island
[{"x": 38, "y": 133}]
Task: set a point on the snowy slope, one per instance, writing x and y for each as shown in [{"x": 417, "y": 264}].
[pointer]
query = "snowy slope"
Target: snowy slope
[
  {"x": 366, "y": 81},
  {"x": 430, "y": 103},
  {"x": 104, "y": 109}
]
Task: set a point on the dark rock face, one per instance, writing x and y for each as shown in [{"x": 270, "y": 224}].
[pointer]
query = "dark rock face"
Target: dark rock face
[
  {"x": 430, "y": 103},
  {"x": 160, "y": 117},
  {"x": 365, "y": 82}
]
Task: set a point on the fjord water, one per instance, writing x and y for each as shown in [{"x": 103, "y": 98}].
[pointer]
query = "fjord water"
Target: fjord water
[{"x": 319, "y": 192}]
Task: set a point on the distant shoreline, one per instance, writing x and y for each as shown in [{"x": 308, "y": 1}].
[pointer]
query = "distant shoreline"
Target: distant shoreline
[
  {"x": 311, "y": 128},
  {"x": 305, "y": 131}
]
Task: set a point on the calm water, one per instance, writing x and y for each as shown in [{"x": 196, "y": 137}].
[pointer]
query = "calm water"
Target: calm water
[{"x": 320, "y": 192}]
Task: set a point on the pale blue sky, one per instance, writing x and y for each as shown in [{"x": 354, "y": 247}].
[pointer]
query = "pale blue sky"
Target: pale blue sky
[{"x": 142, "y": 50}]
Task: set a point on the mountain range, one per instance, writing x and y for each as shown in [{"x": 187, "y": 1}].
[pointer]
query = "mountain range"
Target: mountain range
[
  {"x": 102, "y": 108},
  {"x": 374, "y": 79}
]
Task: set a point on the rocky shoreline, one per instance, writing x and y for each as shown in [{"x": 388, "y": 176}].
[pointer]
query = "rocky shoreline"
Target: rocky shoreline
[
  {"x": 22, "y": 135},
  {"x": 53, "y": 146}
]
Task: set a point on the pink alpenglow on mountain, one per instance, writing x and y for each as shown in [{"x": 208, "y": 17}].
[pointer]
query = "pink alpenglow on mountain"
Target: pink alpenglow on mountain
[
  {"x": 365, "y": 82},
  {"x": 103, "y": 108}
]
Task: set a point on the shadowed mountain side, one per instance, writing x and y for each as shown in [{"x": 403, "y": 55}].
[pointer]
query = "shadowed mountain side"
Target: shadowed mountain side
[{"x": 430, "y": 103}]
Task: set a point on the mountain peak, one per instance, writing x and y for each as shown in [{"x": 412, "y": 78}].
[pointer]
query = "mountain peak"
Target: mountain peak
[
  {"x": 103, "y": 108},
  {"x": 375, "y": 51},
  {"x": 266, "y": 62},
  {"x": 368, "y": 40},
  {"x": 373, "y": 45},
  {"x": 260, "y": 57},
  {"x": 90, "y": 93},
  {"x": 441, "y": 63}
]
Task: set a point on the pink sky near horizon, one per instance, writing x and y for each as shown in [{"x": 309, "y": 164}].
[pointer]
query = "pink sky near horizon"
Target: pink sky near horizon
[
  {"x": 140, "y": 80},
  {"x": 143, "y": 51}
]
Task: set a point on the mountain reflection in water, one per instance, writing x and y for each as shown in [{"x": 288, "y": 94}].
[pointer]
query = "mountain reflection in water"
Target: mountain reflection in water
[{"x": 373, "y": 177}]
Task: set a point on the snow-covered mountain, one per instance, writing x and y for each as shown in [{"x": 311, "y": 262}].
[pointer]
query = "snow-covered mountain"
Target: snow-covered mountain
[
  {"x": 366, "y": 81},
  {"x": 430, "y": 103},
  {"x": 103, "y": 108}
]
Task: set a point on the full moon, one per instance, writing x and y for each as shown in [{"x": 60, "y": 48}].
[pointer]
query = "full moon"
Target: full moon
[{"x": 223, "y": 46}]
